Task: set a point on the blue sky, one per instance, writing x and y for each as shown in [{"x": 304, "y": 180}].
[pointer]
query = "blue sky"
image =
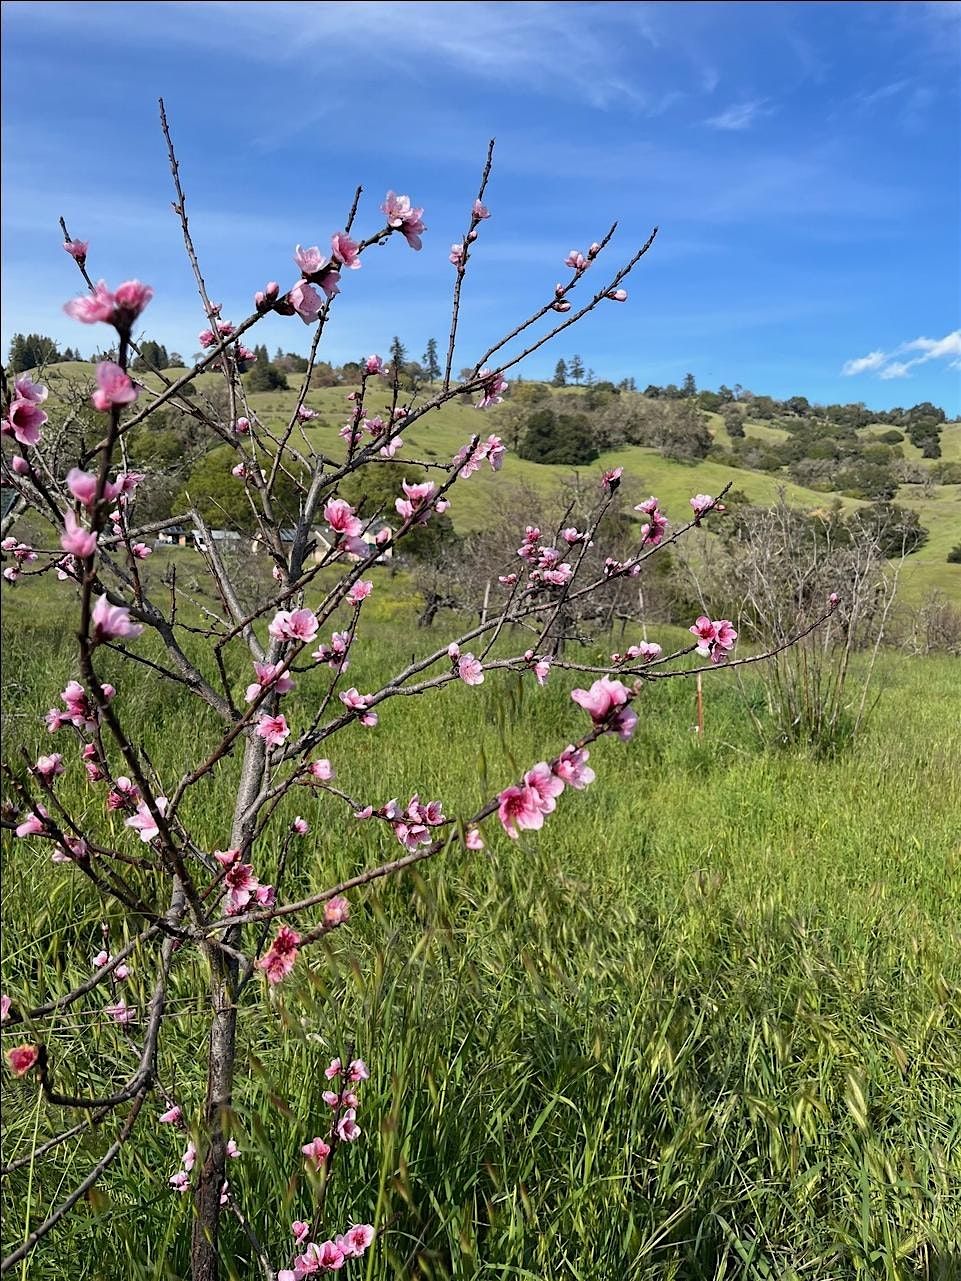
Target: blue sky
[{"x": 801, "y": 160}]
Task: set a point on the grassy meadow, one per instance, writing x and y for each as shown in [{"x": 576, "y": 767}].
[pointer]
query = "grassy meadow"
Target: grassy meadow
[{"x": 705, "y": 1025}]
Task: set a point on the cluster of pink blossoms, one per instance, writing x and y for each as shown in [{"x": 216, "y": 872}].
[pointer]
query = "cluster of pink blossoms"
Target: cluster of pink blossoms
[
  {"x": 645, "y": 652},
  {"x": 547, "y": 565},
  {"x": 377, "y": 429},
  {"x": 403, "y": 217},
  {"x": 354, "y": 701},
  {"x": 654, "y": 529},
  {"x": 412, "y": 826},
  {"x": 328, "y": 1256},
  {"x": 242, "y": 887},
  {"x": 470, "y": 456},
  {"x": 120, "y": 308},
  {"x": 331, "y": 1255},
  {"x": 524, "y": 807},
  {"x": 81, "y": 709},
  {"x": 714, "y": 639},
  {"x": 24, "y": 417},
  {"x": 22, "y": 554},
  {"x": 419, "y": 502}
]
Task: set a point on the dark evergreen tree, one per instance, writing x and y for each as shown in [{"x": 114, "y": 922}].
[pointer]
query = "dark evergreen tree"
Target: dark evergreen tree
[
  {"x": 688, "y": 386},
  {"x": 560, "y": 374},
  {"x": 576, "y": 369},
  {"x": 30, "y": 351},
  {"x": 431, "y": 362}
]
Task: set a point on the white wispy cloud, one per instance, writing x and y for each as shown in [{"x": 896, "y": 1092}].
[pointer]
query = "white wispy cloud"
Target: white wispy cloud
[
  {"x": 887, "y": 365},
  {"x": 741, "y": 115}
]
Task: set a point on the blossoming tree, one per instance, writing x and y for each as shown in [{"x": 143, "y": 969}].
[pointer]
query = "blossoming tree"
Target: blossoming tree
[{"x": 229, "y": 906}]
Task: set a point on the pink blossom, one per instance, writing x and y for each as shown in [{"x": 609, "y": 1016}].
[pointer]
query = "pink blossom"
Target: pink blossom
[
  {"x": 322, "y": 770},
  {"x": 545, "y": 785},
  {"x": 646, "y": 651},
  {"x": 144, "y": 822},
  {"x": 333, "y": 1069},
  {"x": 20, "y": 465},
  {"x": 300, "y": 826},
  {"x": 274, "y": 730},
  {"x": 473, "y": 839},
  {"x": 112, "y": 622},
  {"x": 612, "y": 478},
  {"x": 279, "y": 960},
  {"x": 300, "y": 1230},
  {"x": 233, "y": 1151},
  {"x": 301, "y": 625},
  {"x": 22, "y": 1058},
  {"x": 90, "y": 308},
  {"x": 417, "y": 500},
  {"x": 359, "y": 591},
  {"x": 77, "y": 540},
  {"x": 120, "y": 309},
  {"x": 239, "y": 470},
  {"x": 357, "y": 1070},
  {"x": 23, "y": 421},
  {"x": 345, "y": 250},
  {"x": 317, "y": 1151},
  {"x": 336, "y": 911},
  {"x": 700, "y": 504},
  {"x": 306, "y": 301},
  {"x": 26, "y": 389},
  {"x": 341, "y": 518},
  {"x": 480, "y": 211},
  {"x": 617, "y": 295},
  {"x": 347, "y": 1128},
  {"x": 189, "y": 1158},
  {"x": 267, "y": 678},
  {"x": 121, "y": 1012},
  {"x": 493, "y": 384},
  {"x": 5, "y": 1004},
  {"x": 171, "y": 1116},
  {"x": 240, "y": 882},
  {"x": 403, "y": 218},
  {"x": 542, "y": 669},
  {"x": 356, "y": 1240},
  {"x": 833, "y": 598},
  {"x": 123, "y": 794},
  {"x": 328, "y": 1255},
  {"x": 122, "y": 972},
  {"x": 572, "y": 767},
  {"x": 49, "y": 767},
  {"x": 653, "y": 532},
  {"x": 33, "y": 824},
  {"x": 456, "y": 255},
  {"x": 83, "y": 486},
  {"x": 77, "y": 249},
  {"x": 373, "y": 365},
  {"x": 356, "y": 701},
  {"x": 603, "y": 696},
  {"x": 242, "y": 427},
  {"x": 470, "y": 670},
  {"x": 310, "y": 261},
  {"x": 180, "y": 1182},
  {"x": 113, "y": 387},
  {"x": 305, "y": 413},
  {"x": 519, "y": 809}
]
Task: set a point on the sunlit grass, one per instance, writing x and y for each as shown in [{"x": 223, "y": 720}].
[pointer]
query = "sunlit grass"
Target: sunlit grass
[{"x": 705, "y": 1025}]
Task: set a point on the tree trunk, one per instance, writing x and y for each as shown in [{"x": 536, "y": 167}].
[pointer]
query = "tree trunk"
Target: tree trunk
[{"x": 222, "y": 1047}]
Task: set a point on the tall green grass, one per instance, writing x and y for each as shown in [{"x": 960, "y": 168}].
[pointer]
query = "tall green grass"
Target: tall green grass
[{"x": 705, "y": 1025}]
